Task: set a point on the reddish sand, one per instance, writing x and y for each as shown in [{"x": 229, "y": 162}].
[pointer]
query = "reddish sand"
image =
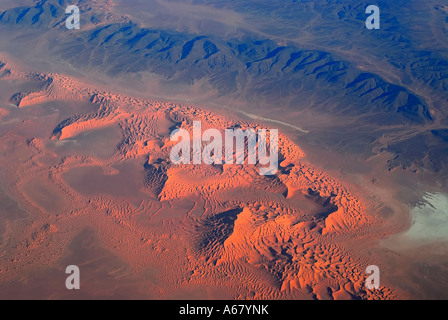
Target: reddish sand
[{"x": 188, "y": 231}]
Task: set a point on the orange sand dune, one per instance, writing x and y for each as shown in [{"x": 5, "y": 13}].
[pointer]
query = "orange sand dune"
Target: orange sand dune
[{"x": 288, "y": 236}]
